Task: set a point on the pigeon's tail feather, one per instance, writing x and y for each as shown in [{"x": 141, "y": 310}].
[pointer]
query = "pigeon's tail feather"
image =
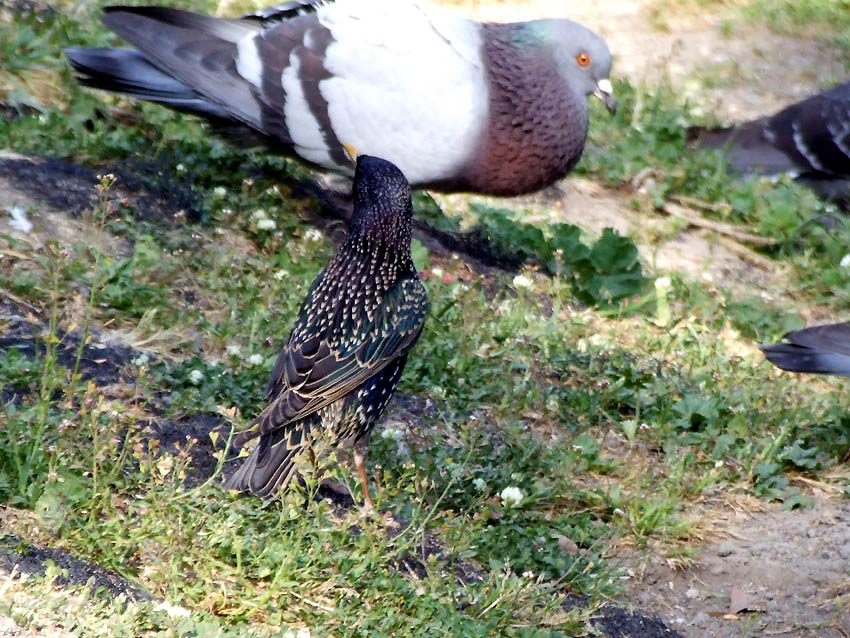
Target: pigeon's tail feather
[
  {"x": 129, "y": 72},
  {"x": 196, "y": 51},
  {"x": 747, "y": 148},
  {"x": 819, "y": 349}
]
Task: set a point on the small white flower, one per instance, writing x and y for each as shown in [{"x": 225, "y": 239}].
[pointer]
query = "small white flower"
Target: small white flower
[
  {"x": 19, "y": 219},
  {"x": 516, "y": 476},
  {"x": 266, "y": 224},
  {"x": 480, "y": 484},
  {"x": 522, "y": 281},
  {"x": 141, "y": 360},
  {"x": 718, "y": 464},
  {"x": 511, "y": 496},
  {"x": 312, "y": 235},
  {"x": 438, "y": 272},
  {"x": 663, "y": 283},
  {"x": 196, "y": 376},
  {"x": 172, "y": 610},
  {"x": 254, "y": 360},
  {"x": 280, "y": 274},
  {"x": 181, "y": 168},
  {"x": 845, "y": 261},
  {"x": 219, "y": 191},
  {"x": 391, "y": 433},
  {"x": 234, "y": 350},
  {"x": 274, "y": 190},
  {"x": 258, "y": 214}
]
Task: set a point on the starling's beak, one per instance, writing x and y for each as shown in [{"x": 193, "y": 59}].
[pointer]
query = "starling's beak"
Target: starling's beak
[
  {"x": 351, "y": 152},
  {"x": 605, "y": 92}
]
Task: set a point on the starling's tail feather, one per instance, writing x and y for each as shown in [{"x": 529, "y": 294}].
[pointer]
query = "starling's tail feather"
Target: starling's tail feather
[
  {"x": 819, "y": 349},
  {"x": 271, "y": 465},
  {"x": 129, "y": 72}
]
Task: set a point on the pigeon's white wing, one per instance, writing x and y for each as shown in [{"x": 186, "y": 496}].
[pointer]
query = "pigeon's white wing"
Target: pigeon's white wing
[{"x": 406, "y": 84}]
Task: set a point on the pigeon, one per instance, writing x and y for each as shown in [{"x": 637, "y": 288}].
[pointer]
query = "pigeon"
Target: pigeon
[
  {"x": 457, "y": 105},
  {"x": 809, "y": 140},
  {"x": 351, "y": 339},
  {"x": 819, "y": 349}
]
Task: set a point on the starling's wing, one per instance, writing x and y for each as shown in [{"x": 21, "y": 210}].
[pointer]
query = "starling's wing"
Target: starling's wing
[
  {"x": 316, "y": 372},
  {"x": 819, "y": 349}
]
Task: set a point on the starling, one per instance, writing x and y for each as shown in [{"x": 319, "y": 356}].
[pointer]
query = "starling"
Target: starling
[
  {"x": 345, "y": 354},
  {"x": 819, "y": 349}
]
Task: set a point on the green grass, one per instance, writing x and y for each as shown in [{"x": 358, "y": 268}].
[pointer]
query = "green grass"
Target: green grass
[{"x": 611, "y": 404}]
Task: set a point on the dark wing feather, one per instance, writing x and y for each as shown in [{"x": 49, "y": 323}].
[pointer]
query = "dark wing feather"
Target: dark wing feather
[
  {"x": 197, "y": 50},
  {"x": 810, "y": 136},
  {"x": 284, "y": 11},
  {"x": 308, "y": 377},
  {"x": 819, "y": 349}
]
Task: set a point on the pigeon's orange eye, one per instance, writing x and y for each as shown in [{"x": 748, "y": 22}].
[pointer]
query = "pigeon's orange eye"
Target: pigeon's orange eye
[{"x": 583, "y": 59}]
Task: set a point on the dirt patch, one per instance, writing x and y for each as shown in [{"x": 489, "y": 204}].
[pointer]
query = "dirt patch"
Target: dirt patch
[
  {"x": 151, "y": 189},
  {"x": 790, "y": 565},
  {"x": 17, "y": 555}
]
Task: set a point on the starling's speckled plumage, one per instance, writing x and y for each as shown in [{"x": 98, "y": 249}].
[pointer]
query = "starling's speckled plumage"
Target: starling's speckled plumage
[
  {"x": 346, "y": 352},
  {"x": 819, "y": 349}
]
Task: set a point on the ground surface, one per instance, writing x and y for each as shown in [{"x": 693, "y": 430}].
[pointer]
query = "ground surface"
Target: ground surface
[{"x": 792, "y": 566}]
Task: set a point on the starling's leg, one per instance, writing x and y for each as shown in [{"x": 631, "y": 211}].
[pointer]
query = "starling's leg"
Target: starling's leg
[{"x": 359, "y": 458}]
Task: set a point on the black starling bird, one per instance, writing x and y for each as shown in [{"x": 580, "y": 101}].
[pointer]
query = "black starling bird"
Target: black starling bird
[
  {"x": 346, "y": 352},
  {"x": 819, "y": 349}
]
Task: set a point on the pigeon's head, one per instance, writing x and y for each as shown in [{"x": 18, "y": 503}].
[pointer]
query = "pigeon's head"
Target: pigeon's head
[
  {"x": 583, "y": 59},
  {"x": 381, "y": 195}
]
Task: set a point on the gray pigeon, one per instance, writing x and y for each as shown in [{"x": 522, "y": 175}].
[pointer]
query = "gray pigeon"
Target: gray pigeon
[
  {"x": 819, "y": 349},
  {"x": 809, "y": 140},
  {"x": 456, "y": 104}
]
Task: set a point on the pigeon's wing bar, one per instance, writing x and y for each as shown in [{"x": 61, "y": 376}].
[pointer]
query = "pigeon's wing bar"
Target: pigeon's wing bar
[
  {"x": 284, "y": 11},
  {"x": 814, "y": 132},
  {"x": 819, "y": 349},
  {"x": 316, "y": 372}
]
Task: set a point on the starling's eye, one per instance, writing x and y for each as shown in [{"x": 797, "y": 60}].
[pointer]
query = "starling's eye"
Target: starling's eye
[{"x": 583, "y": 59}]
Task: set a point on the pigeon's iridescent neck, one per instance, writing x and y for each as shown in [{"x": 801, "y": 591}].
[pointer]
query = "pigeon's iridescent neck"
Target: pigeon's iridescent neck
[{"x": 537, "y": 124}]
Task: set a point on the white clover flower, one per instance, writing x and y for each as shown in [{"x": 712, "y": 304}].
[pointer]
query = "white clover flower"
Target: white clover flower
[
  {"x": 254, "y": 360},
  {"x": 438, "y": 272},
  {"x": 266, "y": 224},
  {"x": 511, "y": 496},
  {"x": 173, "y": 610},
  {"x": 19, "y": 219},
  {"x": 196, "y": 376},
  {"x": 480, "y": 484},
  {"x": 391, "y": 433},
  {"x": 280, "y": 274},
  {"x": 845, "y": 261},
  {"x": 234, "y": 350},
  {"x": 141, "y": 360},
  {"x": 522, "y": 281},
  {"x": 663, "y": 283},
  {"x": 219, "y": 191},
  {"x": 258, "y": 214},
  {"x": 312, "y": 235}
]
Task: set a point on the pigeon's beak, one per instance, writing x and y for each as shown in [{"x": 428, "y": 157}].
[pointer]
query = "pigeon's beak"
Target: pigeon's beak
[
  {"x": 351, "y": 152},
  {"x": 605, "y": 92}
]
